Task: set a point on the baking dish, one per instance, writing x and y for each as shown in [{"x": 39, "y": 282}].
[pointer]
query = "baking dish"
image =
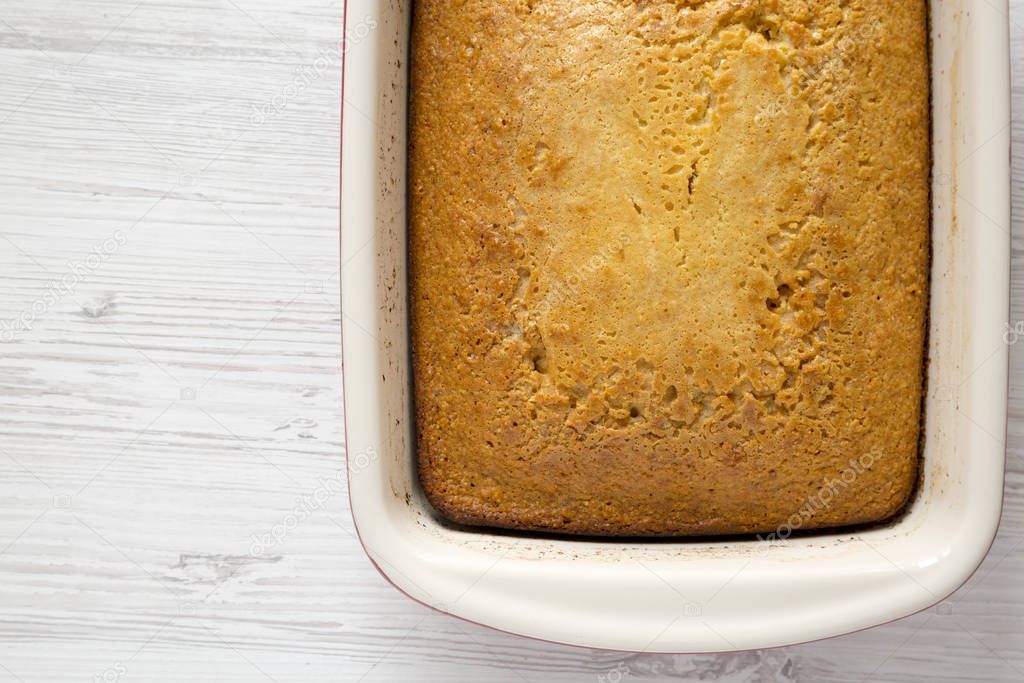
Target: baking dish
[{"x": 694, "y": 595}]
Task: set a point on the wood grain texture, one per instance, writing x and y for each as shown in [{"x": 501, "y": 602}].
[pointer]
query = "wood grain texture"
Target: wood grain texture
[{"x": 174, "y": 399}]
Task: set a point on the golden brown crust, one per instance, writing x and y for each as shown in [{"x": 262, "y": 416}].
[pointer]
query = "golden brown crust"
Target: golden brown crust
[{"x": 669, "y": 261}]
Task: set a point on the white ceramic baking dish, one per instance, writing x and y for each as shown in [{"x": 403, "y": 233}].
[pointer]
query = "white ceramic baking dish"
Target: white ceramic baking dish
[{"x": 695, "y": 595}]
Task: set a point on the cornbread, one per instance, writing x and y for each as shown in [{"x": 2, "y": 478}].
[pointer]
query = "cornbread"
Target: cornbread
[{"x": 668, "y": 262}]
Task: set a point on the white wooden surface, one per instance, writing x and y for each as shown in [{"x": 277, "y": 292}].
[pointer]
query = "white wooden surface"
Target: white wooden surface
[{"x": 180, "y": 397}]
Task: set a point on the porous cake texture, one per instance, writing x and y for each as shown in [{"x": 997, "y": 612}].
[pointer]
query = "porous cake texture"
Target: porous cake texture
[{"x": 668, "y": 261}]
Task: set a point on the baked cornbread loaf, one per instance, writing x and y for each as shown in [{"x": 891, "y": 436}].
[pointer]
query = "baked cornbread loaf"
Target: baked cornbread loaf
[{"x": 669, "y": 261}]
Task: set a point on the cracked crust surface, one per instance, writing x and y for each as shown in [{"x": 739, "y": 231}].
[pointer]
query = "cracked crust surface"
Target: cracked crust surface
[{"x": 668, "y": 261}]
